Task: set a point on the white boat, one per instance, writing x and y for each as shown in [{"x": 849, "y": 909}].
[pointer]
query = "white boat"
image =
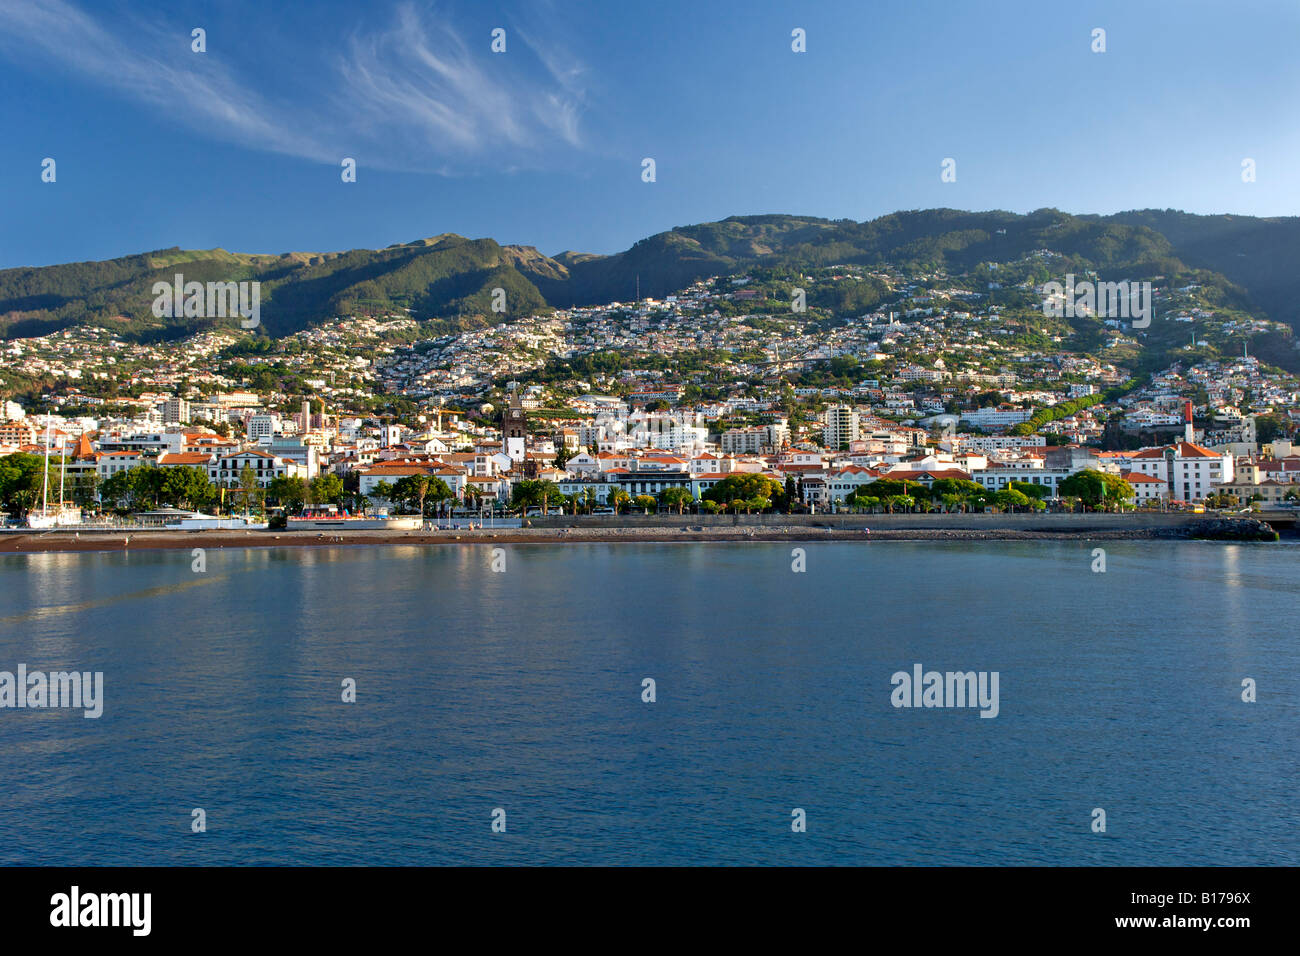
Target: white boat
[
  {"x": 177, "y": 519},
  {"x": 63, "y": 515},
  {"x": 329, "y": 518},
  {"x": 54, "y": 517}
]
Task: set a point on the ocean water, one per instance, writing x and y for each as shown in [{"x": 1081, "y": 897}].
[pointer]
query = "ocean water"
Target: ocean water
[{"x": 522, "y": 690}]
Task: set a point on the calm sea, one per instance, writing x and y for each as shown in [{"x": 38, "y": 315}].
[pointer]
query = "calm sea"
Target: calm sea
[{"x": 522, "y": 690}]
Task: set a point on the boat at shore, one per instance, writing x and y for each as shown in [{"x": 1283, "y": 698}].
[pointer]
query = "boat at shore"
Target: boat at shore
[
  {"x": 178, "y": 519},
  {"x": 330, "y": 518},
  {"x": 62, "y": 514},
  {"x": 54, "y": 517}
]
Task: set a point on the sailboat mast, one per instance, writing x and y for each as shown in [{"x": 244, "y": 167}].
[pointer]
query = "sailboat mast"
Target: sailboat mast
[{"x": 45, "y": 475}]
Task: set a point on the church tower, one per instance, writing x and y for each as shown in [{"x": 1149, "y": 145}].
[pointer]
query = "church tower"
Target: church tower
[{"x": 514, "y": 429}]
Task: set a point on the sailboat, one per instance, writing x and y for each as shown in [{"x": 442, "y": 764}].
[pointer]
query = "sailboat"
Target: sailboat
[{"x": 49, "y": 517}]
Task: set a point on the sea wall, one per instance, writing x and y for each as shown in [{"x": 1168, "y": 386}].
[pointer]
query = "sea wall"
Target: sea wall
[
  {"x": 896, "y": 522},
  {"x": 1171, "y": 524}
]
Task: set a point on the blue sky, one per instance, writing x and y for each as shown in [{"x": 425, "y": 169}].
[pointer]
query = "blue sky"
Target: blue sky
[{"x": 240, "y": 147}]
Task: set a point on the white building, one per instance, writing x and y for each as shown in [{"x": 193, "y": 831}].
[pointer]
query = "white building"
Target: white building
[
  {"x": 263, "y": 426},
  {"x": 1147, "y": 490},
  {"x": 838, "y": 486},
  {"x": 842, "y": 426},
  {"x": 1000, "y": 477},
  {"x": 109, "y": 463},
  {"x": 1000, "y": 442},
  {"x": 754, "y": 441},
  {"x": 175, "y": 411},
  {"x": 226, "y": 469},
  {"x": 1188, "y": 471},
  {"x": 997, "y": 417}
]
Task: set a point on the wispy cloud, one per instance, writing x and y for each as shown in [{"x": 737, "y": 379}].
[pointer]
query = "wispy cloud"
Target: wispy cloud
[
  {"x": 419, "y": 83},
  {"x": 197, "y": 90},
  {"x": 410, "y": 95}
]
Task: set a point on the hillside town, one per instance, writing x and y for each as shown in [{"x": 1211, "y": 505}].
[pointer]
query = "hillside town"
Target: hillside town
[{"x": 942, "y": 398}]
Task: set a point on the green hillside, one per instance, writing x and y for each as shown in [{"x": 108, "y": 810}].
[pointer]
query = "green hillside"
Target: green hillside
[
  {"x": 447, "y": 280},
  {"x": 444, "y": 278}
]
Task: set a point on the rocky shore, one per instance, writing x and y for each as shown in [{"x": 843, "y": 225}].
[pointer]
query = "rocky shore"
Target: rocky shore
[{"x": 1226, "y": 529}]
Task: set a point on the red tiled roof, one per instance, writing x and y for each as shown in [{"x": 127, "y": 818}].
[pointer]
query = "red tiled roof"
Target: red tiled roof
[
  {"x": 410, "y": 468},
  {"x": 1182, "y": 449},
  {"x": 935, "y": 474},
  {"x": 1137, "y": 478}
]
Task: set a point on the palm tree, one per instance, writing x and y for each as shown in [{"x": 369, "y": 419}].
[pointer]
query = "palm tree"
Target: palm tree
[
  {"x": 548, "y": 490},
  {"x": 420, "y": 486},
  {"x": 676, "y": 496}
]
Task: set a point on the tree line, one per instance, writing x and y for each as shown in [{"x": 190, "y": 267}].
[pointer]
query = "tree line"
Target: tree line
[{"x": 149, "y": 487}]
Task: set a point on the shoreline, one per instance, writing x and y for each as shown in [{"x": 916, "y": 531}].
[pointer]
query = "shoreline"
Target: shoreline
[{"x": 74, "y": 541}]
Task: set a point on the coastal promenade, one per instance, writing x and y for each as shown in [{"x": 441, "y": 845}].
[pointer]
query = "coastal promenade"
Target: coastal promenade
[{"x": 674, "y": 528}]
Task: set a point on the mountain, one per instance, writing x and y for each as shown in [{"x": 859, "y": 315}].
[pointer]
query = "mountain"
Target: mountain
[
  {"x": 1260, "y": 255},
  {"x": 934, "y": 238},
  {"x": 447, "y": 280},
  {"x": 447, "y": 277}
]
